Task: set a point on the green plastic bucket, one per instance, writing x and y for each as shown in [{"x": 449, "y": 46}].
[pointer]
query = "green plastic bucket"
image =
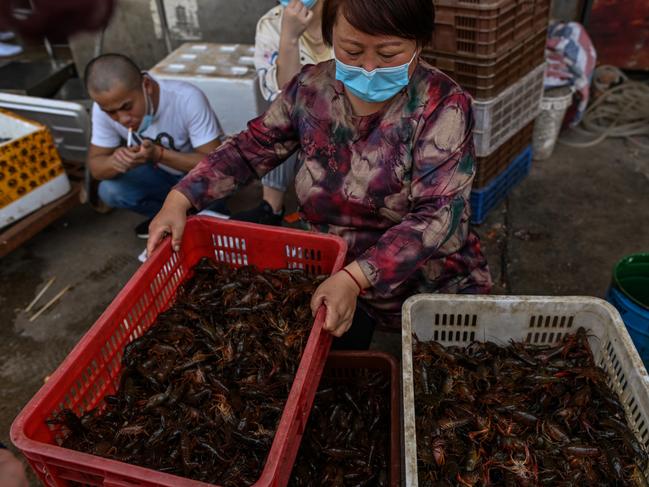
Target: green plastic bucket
[{"x": 631, "y": 277}]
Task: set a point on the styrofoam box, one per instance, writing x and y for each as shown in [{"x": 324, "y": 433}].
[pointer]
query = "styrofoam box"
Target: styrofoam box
[
  {"x": 225, "y": 73},
  {"x": 31, "y": 171},
  {"x": 498, "y": 119},
  {"x": 461, "y": 319}
]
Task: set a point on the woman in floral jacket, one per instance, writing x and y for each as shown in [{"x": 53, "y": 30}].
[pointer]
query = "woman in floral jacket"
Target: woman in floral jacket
[{"x": 387, "y": 161}]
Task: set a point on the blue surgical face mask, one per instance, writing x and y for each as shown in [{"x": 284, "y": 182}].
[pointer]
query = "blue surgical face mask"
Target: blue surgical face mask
[
  {"x": 377, "y": 85},
  {"x": 307, "y": 3},
  {"x": 147, "y": 120}
]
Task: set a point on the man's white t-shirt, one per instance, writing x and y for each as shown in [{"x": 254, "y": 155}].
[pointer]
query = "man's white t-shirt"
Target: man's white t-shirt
[{"x": 184, "y": 120}]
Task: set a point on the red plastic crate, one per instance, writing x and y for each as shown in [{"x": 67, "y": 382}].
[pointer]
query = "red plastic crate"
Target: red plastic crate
[
  {"x": 485, "y": 79},
  {"x": 92, "y": 369},
  {"x": 475, "y": 30},
  {"x": 348, "y": 366},
  {"x": 485, "y": 30}
]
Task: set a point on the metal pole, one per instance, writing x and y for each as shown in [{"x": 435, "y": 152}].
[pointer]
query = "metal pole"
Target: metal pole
[
  {"x": 163, "y": 25},
  {"x": 50, "y": 50},
  {"x": 585, "y": 13},
  {"x": 99, "y": 43}
]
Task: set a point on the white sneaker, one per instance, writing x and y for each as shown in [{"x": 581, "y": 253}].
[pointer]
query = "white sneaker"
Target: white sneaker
[
  {"x": 142, "y": 257},
  {"x": 7, "y": 50},
  {"x": 6, "y": 35}
]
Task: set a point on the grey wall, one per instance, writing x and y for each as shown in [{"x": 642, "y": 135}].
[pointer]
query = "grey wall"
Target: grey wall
[
  {"x": 132, "y": 29},
  {"x": 567, "y": 9},
  {"x": 231, "y": 21}
]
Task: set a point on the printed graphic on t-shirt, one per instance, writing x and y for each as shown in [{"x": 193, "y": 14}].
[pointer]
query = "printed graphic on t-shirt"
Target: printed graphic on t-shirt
[{"x": 164, "y": 136}]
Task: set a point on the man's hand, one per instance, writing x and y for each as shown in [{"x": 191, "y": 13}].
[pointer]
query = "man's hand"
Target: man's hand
[
  {"x": 122, "y": 159},
  {"x": 147, "y": 152},
  {"x": 295, "y": 20},
  {"x": 338, "y": 293}
]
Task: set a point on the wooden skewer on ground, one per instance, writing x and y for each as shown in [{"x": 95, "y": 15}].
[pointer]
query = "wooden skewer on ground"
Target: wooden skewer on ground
[
  {"x": 50, "y": 303},
  {"x": 38, "y": 296}
]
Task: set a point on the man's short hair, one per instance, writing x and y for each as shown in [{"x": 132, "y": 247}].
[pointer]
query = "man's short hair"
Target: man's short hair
[{"x": 106, "y": 71}]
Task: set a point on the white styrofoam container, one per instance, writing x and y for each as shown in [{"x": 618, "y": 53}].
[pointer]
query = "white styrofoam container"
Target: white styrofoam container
[
  {"x": 27, "y": 146},
  {"x": 225, "y": 73},
  {"x": 43, "y": 195},
  {"x": 498, "y": 119},
  {"x": 461, "y": 319}
]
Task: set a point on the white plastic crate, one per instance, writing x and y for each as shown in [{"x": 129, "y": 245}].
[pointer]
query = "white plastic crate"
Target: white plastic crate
[
  {"x": 500, "y": 118},
  {"x": 458, "y": 320},
  {"x": 225, "y": 73}
]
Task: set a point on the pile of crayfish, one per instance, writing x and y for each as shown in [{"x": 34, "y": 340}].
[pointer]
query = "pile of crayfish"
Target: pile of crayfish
[
  {"x": 346, "y": 441},
  {"x": 201, "y": 393},
  {"x": 520, "y": 415}
]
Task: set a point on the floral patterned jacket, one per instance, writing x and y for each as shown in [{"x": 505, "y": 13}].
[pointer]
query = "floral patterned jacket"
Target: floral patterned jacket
[{"x": 394, "y": 185}]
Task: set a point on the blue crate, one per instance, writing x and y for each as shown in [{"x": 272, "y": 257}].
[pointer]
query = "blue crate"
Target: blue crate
[{"x": 485, "y": 199}]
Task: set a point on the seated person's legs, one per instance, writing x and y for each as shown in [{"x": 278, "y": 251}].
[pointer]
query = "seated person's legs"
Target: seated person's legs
[
  {"x": 275, "y": 184},
  {"x": 142, "y": 190}
]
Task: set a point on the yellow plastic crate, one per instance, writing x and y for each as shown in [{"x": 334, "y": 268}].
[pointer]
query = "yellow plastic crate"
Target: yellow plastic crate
[{"x": 31, "y": 171}]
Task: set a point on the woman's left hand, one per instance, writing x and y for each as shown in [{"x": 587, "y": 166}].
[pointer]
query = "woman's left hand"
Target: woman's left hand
[{"x": 338, "y": 293}]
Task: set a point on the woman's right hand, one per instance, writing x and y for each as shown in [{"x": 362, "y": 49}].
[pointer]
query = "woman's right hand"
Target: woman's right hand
[
  {"x": 169, "y": 220},
  {"x": 295, "y": 20}
]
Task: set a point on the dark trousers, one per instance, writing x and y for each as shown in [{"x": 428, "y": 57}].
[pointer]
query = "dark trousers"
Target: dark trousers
[{"x": 359, "y": 335}]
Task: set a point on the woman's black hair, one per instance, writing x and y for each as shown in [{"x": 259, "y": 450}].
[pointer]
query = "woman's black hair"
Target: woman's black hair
[{"x": 409, "y": 19}]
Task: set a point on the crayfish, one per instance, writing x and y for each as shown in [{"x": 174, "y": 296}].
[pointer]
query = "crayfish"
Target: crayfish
[
  {"x": 346, "y": 441},
  {"x": 202, "y": 391},
  {"x": 520, "y": 415}
]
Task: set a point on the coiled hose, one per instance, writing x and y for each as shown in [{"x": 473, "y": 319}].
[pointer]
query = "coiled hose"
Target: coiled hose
[{"x": 621, "y": 111}]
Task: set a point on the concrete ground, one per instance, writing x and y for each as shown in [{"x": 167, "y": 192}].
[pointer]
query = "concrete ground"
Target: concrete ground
[{"x": 559, "y": 233}]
